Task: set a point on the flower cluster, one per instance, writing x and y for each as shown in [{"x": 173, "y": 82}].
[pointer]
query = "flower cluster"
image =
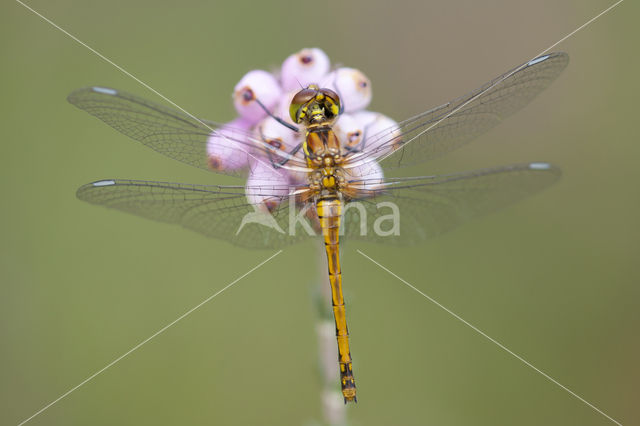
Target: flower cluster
[{"x": 309, "y": 66}]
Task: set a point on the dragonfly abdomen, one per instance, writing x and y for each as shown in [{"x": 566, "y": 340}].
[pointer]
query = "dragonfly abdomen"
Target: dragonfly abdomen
[{"x": 329, "y": 208}]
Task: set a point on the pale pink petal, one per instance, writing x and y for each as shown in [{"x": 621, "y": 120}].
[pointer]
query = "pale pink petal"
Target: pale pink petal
[
  {"x": 266, "y": 186},
  {"x": 277, "y": 135},
  {"x": 349, "y": 131},
  {"x": 367, "y": 177},
  {"x": 381, "y": 133},
  {"x": 282, "y": 109},
  {"x": 353, "y": 87},
  {"x": 256, "y": 84},
  {"x": 227, "y": 147},
  {"x": 303, "y": 68}
]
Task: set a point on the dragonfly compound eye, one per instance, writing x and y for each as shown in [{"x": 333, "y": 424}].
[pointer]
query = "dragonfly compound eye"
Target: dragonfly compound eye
[
  {"x": 332, "y": 102},
  {"x": 315, "y": 102},
  {"x": 297, "y": 109}
]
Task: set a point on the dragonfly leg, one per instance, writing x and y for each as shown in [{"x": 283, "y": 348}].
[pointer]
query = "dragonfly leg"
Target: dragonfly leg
[
  {"x": 294, "y": 151},
  {"x": 278, "y": 164},
  {"x": 360, "y": 147},
  {"x": 278, "y": 119}
]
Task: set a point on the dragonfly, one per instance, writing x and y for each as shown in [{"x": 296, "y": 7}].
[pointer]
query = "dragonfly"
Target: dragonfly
[{"x": 325, "y": 174}]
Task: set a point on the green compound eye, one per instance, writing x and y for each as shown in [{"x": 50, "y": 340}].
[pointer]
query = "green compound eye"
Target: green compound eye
[
  {"x": 293, "y": 112},
  {"x": 332, "y": 95},
  {"x": 299, "y": 100},
  {"x": 326, "y": 98},
  {"x": 331, "y": 101}
]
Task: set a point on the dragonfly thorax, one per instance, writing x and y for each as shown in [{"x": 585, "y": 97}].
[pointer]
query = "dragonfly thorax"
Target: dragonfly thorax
[
  {"x": 329, "y": 179},
  {"x": 322, "y": 150},
  {"x": 321, "y": 147}
]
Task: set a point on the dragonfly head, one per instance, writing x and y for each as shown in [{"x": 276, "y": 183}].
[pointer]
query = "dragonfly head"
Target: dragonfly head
[{"x": 314, "y": 105}]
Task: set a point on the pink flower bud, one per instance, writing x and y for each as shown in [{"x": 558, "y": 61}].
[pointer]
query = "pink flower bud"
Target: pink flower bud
[
  {"x": 266, "y": 186},
  {"x": 275, "y": 134},
  {"x": 381, "y": 134},
  {"x": 278, "y": 136},
  {"x": 353, "y": 87},
  {"x": 367, "y": 178},
  {"x": 282, "y": 110},
  {"x": 303, "y": 68},
  {"x": 256, "y": 84},
  {"x": 228, "y": 147},
  {"x": 349, "y": 131}
]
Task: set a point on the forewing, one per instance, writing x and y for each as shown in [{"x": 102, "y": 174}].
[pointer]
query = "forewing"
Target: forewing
[
  {"x": 429, "y": 206},
  {"x": 449, "y": 126},
  {"x": 172, "y": 132},
  {"x": 221, "y": 212}
]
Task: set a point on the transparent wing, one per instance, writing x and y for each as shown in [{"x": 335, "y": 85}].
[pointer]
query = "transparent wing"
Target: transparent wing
[
  {"x": 428, "y": 206},
  {"x": 174, "y": 133},
  {"x": 449, "y": 126},
  {"x": 221, "y": 212}
]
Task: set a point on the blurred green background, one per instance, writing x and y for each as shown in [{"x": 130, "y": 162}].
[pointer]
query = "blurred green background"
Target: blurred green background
[{"x": 554, "y": 278}]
